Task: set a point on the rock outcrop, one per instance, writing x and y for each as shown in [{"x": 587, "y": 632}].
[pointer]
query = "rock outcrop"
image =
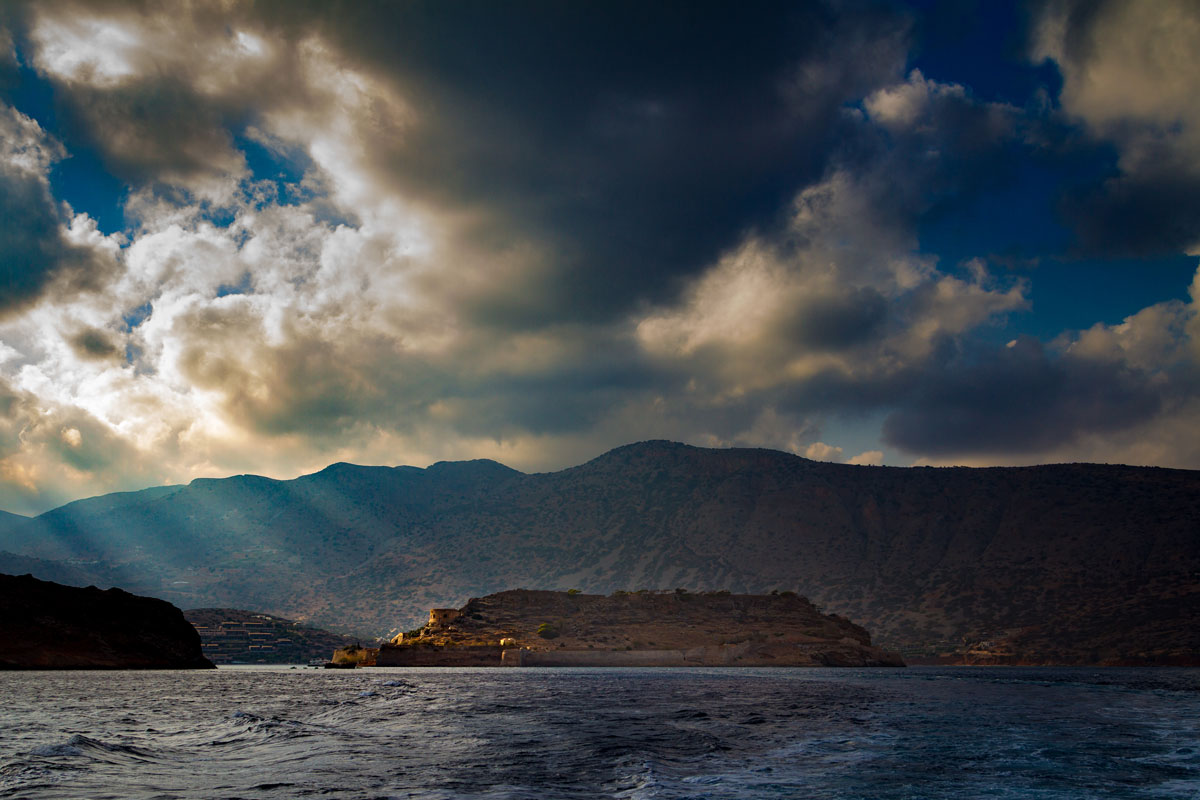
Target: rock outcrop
[
  {"x": 47, "y": 625},
  {"x": 353, "y": 656},
  {"x": 652, "y": 629}
]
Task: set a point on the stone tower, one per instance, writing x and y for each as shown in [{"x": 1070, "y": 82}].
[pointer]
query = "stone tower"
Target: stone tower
[{"x": 440, "y": 617}]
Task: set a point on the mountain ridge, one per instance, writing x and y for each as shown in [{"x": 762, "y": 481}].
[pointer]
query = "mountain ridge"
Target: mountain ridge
[{"x": 925, "y": 557}]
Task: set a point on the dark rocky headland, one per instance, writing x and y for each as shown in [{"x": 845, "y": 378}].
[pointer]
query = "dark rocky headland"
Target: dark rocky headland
[{"x": 46, "y": 625}]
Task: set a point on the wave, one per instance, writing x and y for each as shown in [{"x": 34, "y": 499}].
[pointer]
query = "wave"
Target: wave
[
  {"x": 84, "y": 746},
  {"x": 501, "y": 735}
]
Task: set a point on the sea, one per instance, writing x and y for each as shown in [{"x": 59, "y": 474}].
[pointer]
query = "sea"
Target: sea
[{"x": 882, "y": 734}]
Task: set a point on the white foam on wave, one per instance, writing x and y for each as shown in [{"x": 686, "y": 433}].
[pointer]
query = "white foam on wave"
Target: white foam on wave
[
  {"x": 53, "y": 750},
  {"x": 642, "y": 782},
  {"x": 77, "y": 745}
]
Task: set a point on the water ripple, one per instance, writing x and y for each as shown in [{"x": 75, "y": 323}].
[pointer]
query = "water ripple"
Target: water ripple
[{"x": 662, "y": 734}]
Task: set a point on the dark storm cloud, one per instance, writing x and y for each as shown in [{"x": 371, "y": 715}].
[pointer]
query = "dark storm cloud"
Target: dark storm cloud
[
  {"x": 1020, "y": 399},
  {"x": 152, "y": 131},
  {"x": 931, "y": 148},
  {"x": 1147, "y": 214},
  {"x": 92, "y": 343},
  {"x": 838, "y": 320},
  {"x": 634, "y": 141},
  {"x": 398, "y": 230},
  {"x": 572, "y": 399},
  {"x": 34, "y": 254},
  {"x": 29, "y": 237}
]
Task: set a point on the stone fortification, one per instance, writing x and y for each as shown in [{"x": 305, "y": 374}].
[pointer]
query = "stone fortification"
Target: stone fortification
[
  {"x": 677, "y": 628},
  {"x": 440, "y": 656},
  {"x": 440, "y": 617},
  {"x": 354, "y": 656}
]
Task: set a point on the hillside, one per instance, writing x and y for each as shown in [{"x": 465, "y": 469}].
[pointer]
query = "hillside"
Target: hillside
[
  {"x": 234, "y": 636},
  {"x": 1073, "y": 563},
  {"x": 642, "y": 628}
]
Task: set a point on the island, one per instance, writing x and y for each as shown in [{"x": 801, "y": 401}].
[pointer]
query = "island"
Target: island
[
  {"x": 525, "y": 628},
  {"x": 45, "y": 625}
]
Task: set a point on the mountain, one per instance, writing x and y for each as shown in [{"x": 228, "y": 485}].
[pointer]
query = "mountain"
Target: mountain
[
  {"x": 48, "y": 570},
  {"x": 46, "y": 625},
  {"x": 11, "y": 523},
  {"x": 1072, "y": 563}
]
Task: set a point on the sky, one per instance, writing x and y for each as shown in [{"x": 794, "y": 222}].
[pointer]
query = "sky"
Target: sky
[{"x": 264, "y": 237}]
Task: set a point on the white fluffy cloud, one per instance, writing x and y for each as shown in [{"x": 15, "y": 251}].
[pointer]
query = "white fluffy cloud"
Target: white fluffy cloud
[
  {"x": 903, "y": 105},
  {"x": 869, "y": 458},
  {"x": 819, "y": 451},
  {"x": 191, "y": 357},
  {"x": 24, "y": 146}
]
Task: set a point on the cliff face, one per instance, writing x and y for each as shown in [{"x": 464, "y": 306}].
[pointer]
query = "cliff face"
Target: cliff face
[
  {"x": 1070, "y": 563},
  {"x": 46, "y": 625},
  {"x": 641, "y": 629}
]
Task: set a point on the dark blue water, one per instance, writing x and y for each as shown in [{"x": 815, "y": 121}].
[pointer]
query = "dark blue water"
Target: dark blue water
[{"x": 918, "y": 733}]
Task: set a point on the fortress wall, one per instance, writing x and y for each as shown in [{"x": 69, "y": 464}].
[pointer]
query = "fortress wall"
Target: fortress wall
[
  {"x": 716, "y": 655},
  {"x": 603, "y": 658},
  {"x": 362, "y": 656},
  {"x": 436, "y": 656},
  {"x": 744, "y": 654}
]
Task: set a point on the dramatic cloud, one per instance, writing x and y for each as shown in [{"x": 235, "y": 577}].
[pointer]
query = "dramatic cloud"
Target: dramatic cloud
[
  {"x": 41, "y": 246},
  {"x": 1129, "y": 389},
  {"x": 1132, "y": 74},
  {"x": 837, "y": 307},
  {"x": 623, "y": 146},
  {"x": 835, "y": 293},
  {"x": 390, "y": 233}
]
